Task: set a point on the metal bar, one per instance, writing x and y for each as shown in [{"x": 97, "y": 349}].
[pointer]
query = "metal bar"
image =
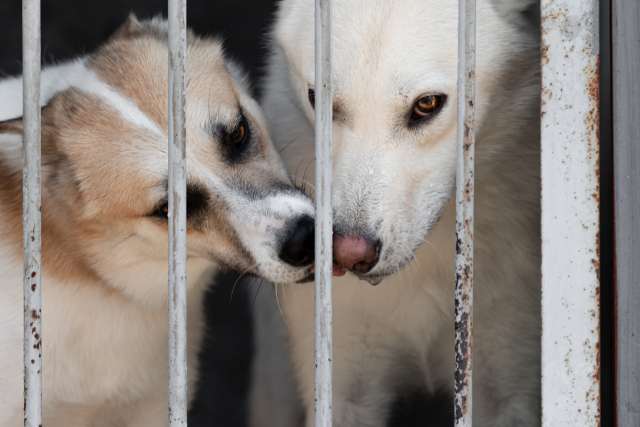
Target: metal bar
[
  {"x": 177, "y": 214},
  {"x": 464, "y": 212},
  {"x": 626, "y": 156},
  {"x": 31, "y": 224},
  {"x": 324, "y": 221},
  {"x": 570, "y": 213}
]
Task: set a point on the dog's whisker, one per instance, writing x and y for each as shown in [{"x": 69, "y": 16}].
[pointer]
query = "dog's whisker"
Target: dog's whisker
[
  {"x": 440, "y": 255},
  {"x": 280, "y": 308},
  {"x": 292, "y": 141},
  {"x": 122, "y": 241},
  {"x": 256, "y": 295},
  {"x": 234, "y": 285},
  {"x": 307, "y": 182}
]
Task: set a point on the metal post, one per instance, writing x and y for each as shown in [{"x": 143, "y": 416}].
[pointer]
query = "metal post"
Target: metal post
[
  {"x": 31, "y": 239},
  {"x": 177, "y": 214},
  {"x": 324, "y": 221},
  {"x": 570, "y": 213},
  {"x": 625, "y": 16},
  {"x": 464, "y": 212}
]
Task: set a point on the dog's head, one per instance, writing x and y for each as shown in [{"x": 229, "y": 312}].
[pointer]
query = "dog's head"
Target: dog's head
[
  {"x": 105, "y": 166},
  {"x": 395, "y": 83}
]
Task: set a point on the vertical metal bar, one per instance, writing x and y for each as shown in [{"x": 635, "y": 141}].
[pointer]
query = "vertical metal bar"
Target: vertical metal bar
[
  {"x": 570, "y": 213},
  {"x": 626, "y": 156},
  {"x": 177, "y": 214},
  {"x": 464, "y": 212},
  {"x": 324, "y": 221},
  {"x": 31, "y": 239}
]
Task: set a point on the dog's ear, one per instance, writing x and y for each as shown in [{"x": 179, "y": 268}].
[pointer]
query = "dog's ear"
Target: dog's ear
[
  {"x": 13, "y": 126},
  {"x": 129, "y": 29},
  {"x": 12, "y": 131},
  {"x": 528, "y": 10},
  {"x": 16, "y": 126}
]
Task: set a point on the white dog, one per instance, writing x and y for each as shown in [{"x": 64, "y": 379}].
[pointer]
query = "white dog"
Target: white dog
[
  {"x": 104, "y": 223},
  {"x": 394, "y": 74}
]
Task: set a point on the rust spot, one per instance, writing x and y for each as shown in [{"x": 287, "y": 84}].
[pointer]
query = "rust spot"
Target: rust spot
[
  {"x": 34, "y": 315},
  {"x": 33, "y": 287},
  {"x": 596, "y": 265},
  {"x": 33, "y": 274}
]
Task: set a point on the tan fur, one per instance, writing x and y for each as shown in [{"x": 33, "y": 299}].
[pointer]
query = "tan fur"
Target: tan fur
[{"x": 104, "y": 253}]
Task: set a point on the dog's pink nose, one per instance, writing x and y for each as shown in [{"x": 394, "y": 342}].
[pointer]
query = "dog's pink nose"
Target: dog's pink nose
[{"x": 354, "y": 253}]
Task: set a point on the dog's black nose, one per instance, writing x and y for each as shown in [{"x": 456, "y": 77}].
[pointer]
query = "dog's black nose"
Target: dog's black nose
[{"x": 297, "y": 249}]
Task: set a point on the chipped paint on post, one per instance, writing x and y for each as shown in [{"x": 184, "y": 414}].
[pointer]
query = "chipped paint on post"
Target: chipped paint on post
[
  {"x": 177, "y": 214},
  {"x": 324, "y": 220},
  {"x": 31, "y": 239},
  {"x": 570, "y": 214},
  {"x": 464, "y": 213}
]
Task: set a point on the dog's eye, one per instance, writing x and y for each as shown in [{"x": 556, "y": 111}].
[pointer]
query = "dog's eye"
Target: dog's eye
[
  {"x": 425, "y": 107},
  {"x": 239, "y": 134},
  {"x": 197, "y": 203},
  {"x": 312, "y": 98},
  {"x": 162, "y": 211}
]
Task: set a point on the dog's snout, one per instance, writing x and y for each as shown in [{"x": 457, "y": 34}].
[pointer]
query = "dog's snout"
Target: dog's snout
[
  {"x": 298, "y": 248},
  {"x": 355, "y": 253}
]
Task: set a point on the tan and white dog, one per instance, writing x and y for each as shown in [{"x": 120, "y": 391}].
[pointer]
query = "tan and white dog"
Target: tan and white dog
[
  {"x": 104, "y": 222},
  {"x": 395, "y": 74}
]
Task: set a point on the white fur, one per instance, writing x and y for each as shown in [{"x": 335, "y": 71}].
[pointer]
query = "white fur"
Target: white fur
[
  {"x": 396, "y": 183},
  {"x": 54, "y": 79}
]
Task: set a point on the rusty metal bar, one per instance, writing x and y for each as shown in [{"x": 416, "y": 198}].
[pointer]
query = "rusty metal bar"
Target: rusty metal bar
[
  {"x": 177, "y": 214},
  {"x": 464, "y": 212},
  {"x": 31, "y": 224},
  {"x": 324, "y": 220},
  {"x": 570, "y": 214},
  {"x": 626, "y": 156}
]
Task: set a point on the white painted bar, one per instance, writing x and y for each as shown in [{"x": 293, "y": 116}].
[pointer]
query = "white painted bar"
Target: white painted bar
[
  {"x": 31, "y": 239},
  {"x": 570, "y": 214},
  {"x": 464, "y": 213},
  {"x": 177, "y": 214},
  {"x": 324, "y": 220}
]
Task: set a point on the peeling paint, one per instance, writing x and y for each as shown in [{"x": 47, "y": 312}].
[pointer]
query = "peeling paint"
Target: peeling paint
[
  {"x": 464, "y": 215},
  {"x": 32, "y": 346},
  {"x": 177, "y": 214},
  {"x": 570, "y": 213}
]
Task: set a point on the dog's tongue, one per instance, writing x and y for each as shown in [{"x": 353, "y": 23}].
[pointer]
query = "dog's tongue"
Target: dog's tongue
[{"x": 337, "y": 272}]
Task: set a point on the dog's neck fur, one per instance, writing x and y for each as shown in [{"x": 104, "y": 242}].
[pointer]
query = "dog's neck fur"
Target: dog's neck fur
[{"x": 71, "y": 285}]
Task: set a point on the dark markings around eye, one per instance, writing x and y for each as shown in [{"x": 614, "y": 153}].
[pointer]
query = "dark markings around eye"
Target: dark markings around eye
[
  {"x": 197, "y": 204},
  {"x": 234, "y": 140}
]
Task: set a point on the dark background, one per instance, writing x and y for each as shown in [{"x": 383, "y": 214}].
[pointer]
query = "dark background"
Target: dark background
[{"x": 72, "y": 27}]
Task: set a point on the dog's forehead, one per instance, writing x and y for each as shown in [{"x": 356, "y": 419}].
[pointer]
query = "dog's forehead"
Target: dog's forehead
[
  {"x": 389, "y": 47},
  {"x": 137, "y": 68}
]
